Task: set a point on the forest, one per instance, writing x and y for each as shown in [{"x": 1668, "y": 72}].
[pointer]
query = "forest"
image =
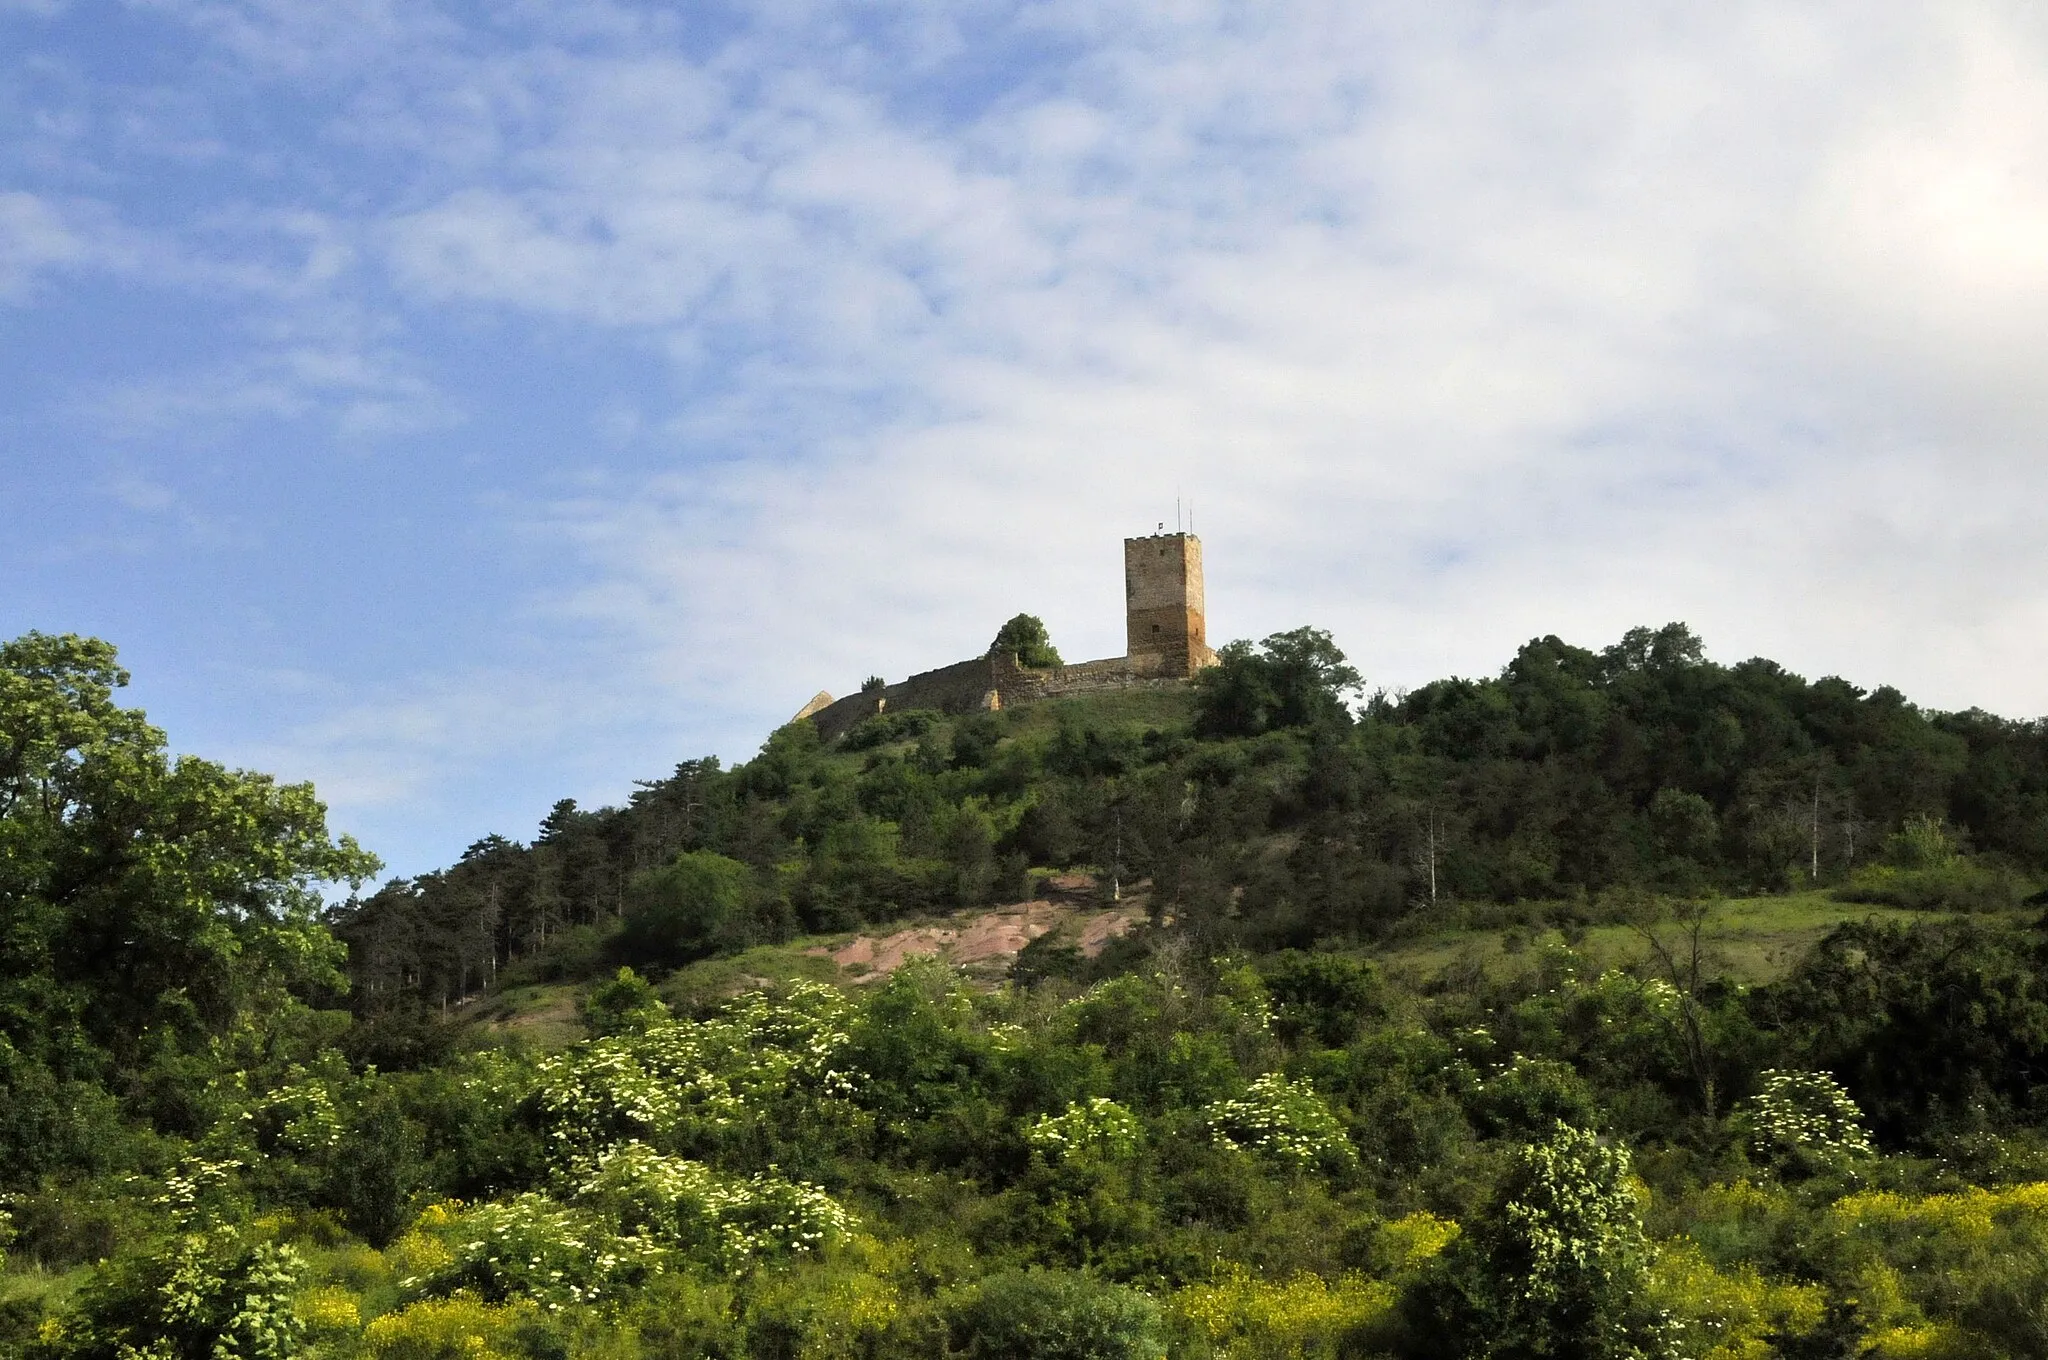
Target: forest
[{"x": 1441, "y": 1028}]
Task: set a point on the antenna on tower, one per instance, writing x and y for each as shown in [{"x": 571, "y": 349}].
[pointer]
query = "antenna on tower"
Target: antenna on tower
[{"x": 1176, "y": 512}]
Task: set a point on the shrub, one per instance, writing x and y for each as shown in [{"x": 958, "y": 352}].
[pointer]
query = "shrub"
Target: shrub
[
  {"x": 1805, "y": 1122},
  {"x": 1957, "y": 1274},
  {"x": 680, "y": 1317},
  {"x": 527, "y": 1247},
  {"x": 886, "y": 729},
  {"x": 1099, "y": 1130},
  {"x": 1554, "y": 1268},
  {"x": 1321, "y": 996},
  {"x": 1530, "y": 1096},
  {"x": 626, "y": 1004},
  {"x": 328, "y": 1312},
  {"x": 1956, "y": 885},
  {"x": 1284, "y": 1121},
  {"x": 1057, "y": 1315},
  {"x": 975, "y": 737},
  {"x": 1242, "y": 1318},
  {"x": 691, "y": 1083},
  {"x": 1922, "y": 843},
  {"x": 838, "y": 1313},
  {"x": 726, "y": 1221},
  {"x": 1406, "y": 1245},
  {"x": 196, "y": 1296},
  {"x": 459, "y": 1328},
  {"x": 47, "y": 1123},
  {"x": 404, "y": 1036},
  {"x": 1935, "y": 1023},
  {"x": 1727, "y": 1312},
  {"x": 375, "y": 1169}
]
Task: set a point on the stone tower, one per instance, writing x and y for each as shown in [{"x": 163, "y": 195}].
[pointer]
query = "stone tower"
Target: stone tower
[{"x": 1167, "y": 635}]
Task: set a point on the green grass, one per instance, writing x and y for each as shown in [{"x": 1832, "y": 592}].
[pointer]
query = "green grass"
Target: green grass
[
  {"x": 1750, "y": 939},
  {"x": 1134, "y": 710},
  {"x": 1129, "y": 712},
  {"x": 32, "y": 1289},
  {"x": 711, "y": 980},
  {"x": 543, "y": 1014}
]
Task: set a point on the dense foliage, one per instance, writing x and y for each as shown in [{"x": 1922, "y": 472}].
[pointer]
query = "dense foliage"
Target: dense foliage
[
  {"x": 1238, "y": 1132},
  {"x": 154, "y": 912},
  {"x": 1269, "y": 814}
]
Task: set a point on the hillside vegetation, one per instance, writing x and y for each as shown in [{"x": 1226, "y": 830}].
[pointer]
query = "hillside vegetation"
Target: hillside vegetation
[{"x": 1621, "y": 1004}]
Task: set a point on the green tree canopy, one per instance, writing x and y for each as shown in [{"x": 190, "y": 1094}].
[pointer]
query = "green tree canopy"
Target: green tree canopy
[
  {"x": 1292, "y": 679},
  {"x": 148, "y": 904},
  {"x": 695, "y": 905},
  {"x": 141, "y": 893},
  {"x": 1026, "y": 636}
]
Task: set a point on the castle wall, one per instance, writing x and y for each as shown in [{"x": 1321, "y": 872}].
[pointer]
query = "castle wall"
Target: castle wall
[
  {"x": 962, "y": 687},
  {"x": 992, "y": 682},
  {"x": 1164, "y": 625},
  {"x": 1017, "y": 685}
]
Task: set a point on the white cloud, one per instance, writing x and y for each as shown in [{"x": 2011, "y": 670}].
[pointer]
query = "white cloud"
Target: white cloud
[
  {"x": 1925, "y": 241},
  {"x": 1460, "y": 323},
  {"x": 359, "y": 395},
  {"x": 1462, "y": 329}
]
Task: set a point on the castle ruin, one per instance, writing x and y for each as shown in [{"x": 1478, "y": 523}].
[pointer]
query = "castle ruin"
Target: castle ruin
[{"x": 1166, "y": 642}]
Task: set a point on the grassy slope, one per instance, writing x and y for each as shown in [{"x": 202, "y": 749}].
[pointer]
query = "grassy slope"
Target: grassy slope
[{"x": 1752, "y": 939}]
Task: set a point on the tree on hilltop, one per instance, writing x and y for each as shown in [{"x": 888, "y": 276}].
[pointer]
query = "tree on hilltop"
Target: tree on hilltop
[
  {"x": 1026, "y": 636},
  {"x": 1293, "y": 679}
]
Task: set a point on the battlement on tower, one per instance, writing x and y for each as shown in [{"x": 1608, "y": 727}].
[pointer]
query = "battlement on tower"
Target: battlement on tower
[{"x": 1166, "y": 641}]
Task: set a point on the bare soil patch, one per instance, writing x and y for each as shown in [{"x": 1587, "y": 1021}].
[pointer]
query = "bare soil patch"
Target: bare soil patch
[{"x": 987, "y": 942}]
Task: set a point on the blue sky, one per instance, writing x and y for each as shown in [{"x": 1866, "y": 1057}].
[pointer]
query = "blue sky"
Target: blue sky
[{"x": 464, "y": 406}]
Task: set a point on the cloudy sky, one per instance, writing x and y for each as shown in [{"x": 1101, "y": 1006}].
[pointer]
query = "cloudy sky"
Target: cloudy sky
[{"x": 469, "y": 405}]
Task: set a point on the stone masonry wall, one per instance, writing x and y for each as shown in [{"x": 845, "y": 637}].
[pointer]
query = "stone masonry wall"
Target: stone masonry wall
[
  {"x": 991, "y": 683},
  {"x": 1164, "y": 621},
  {"x": 1165, "y": 628},
  {"x": 961, "y": 687}
]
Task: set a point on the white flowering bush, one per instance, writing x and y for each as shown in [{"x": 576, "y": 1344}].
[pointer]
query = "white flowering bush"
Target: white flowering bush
[
  {"x": 200, "y": 1192},
  {"x": 533, "y": 1247},
  {"x": 211, "y": 1293},
  {"x": 727, "y": 1221},
  {"x": 1805, "y": 1121},
  {"x": 297, "y": 1119},
  {"x": 1285, "y": 1121},
  {"x": 687, "y": 1081},
  {"x": 766, "y": 1217},
  {"x": 1555, "y": 1266},
  {"x": 1094, "y": 1130},
  {"x": 1572, "y": 1217}
]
